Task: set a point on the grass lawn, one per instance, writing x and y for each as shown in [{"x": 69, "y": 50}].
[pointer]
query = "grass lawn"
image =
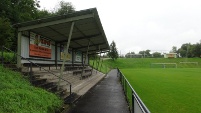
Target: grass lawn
[
  {"x": 125, "y": 63},
  {"x": 18, "y": 96},
  {"x": 170, "y": 90},
  {"x": 100, "y": 65}
]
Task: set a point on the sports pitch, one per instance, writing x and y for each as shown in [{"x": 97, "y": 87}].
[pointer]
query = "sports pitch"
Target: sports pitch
[
  {"x": 163, "y": 90},
  {"x": 170, "y": 90}
]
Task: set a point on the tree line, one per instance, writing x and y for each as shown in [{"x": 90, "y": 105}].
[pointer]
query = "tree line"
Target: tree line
[
  {"x": 143, "y": 54},
  {"x": 186, "y": 50},
  {"x": 17, "y": 11},
  {"x": 190, "y": 50}
]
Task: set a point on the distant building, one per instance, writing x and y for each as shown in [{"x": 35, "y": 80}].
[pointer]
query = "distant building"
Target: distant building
[
  {"x": 131, "y": 55},
  {"x": 170, "y": 55}
]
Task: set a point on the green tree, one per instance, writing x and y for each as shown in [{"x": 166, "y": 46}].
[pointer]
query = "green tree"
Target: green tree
[
  {"x": 142, "y": 52},
  {"x": 130, "y": 55},
  {"x": 157, "y": 55},
  {"x": 6, "y": 32},
  {"x": 184, "y": 51},
  {"x": 174, "y": 49},
  {"x": 64, "y": 8},
  {"x": 195, "y": 50},
  {"x": 19, "y": 10},
  {"x": 147, "y": 52},
  {"x": 113, "y": 53},
  {"x": 43, "y": 13}
]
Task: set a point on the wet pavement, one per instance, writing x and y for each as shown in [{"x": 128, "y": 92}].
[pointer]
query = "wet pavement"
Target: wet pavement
[{"x": 106, "y": 97}]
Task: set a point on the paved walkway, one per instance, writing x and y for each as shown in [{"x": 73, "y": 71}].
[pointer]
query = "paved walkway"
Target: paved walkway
[{"x": 106, "y": 97}]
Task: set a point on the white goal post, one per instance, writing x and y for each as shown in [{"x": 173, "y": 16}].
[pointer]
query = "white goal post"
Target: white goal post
[
  {"x": 164, "y": 64},
  {"x": 196, "y": 63}
]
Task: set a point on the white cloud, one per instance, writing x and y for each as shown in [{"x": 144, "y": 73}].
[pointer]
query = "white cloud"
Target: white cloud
[{"x": 137, "y": 25}]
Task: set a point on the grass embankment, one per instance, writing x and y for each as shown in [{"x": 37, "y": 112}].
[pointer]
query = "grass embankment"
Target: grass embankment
[
  {"x": 8, "y": 57},
  {"x": 18, "y": 96},
  {"x": 167, "y": 90},
  {"x": 100, "y": 65},
  {"x": 130, "y": 63}
]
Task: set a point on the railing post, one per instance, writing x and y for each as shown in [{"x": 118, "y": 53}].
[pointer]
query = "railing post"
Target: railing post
[
  {"x": 70, "y": 89},
  {"x": 136, "y": 101},
  {"x": 123, "y": 82},
  {"x": 2, "y": 58},
  {"x": 121, "y": 79},
  {"x": 31, "y": 72},
  {"x": 132, "y": 103},
  {"x": 125, "y": 87},
  {"x": 120, "y": 75}
]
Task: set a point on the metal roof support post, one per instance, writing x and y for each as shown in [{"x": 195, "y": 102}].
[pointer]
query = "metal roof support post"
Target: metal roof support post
[
  {"x": 56, "y": 61},
  {"x": 85, "y": 59},
  {"x": 93, "y": 64},
  {"x": 99, "y": 58},
  {"x": 73, "y": 57},
  {"x": 19, "y": 49},
  {"x": 101, "y": 64},
  {"x": 96, "y": 62},
  {"x": 82, "y": 59},
  {"x": 65, "y": 53}
]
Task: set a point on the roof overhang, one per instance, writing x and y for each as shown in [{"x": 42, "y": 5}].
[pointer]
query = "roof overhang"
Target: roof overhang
[{"x": 87, "y": 28}]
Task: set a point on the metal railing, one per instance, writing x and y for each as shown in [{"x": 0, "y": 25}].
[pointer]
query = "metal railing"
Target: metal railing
[
  {"x": 135, "y": 103},
  {"x": 3, "y": 48}
]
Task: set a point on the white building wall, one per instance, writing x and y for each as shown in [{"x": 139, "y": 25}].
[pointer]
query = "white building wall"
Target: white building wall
[{"x": 25, "y": 53}]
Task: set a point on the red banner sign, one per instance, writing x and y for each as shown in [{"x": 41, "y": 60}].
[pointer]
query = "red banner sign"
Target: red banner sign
[{"x": 39, "y": 46}]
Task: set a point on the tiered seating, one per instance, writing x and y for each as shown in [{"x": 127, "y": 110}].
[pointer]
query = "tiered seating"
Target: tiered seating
[{"x": 80, "y": 70}]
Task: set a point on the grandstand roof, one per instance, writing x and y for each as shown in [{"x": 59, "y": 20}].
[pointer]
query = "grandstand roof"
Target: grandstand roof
[{"x": 87, "y": 27}]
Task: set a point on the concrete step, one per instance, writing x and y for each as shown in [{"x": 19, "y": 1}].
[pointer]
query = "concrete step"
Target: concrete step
[
  {"x": 65, "y": 95},
  {"x": 61, "y": 92},
  {"x": 84, "y": 86},
  {"x": 38, "y": 81},
  {"x": 71, "y": 98},
  {"x": 52, "y": 89}
]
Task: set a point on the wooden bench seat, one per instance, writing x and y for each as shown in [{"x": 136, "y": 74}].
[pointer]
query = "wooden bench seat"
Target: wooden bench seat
[
  {"x": 75, "y": 72},
  {"x": 71, "y": 68},
  {"x": 84, "y": 75}
]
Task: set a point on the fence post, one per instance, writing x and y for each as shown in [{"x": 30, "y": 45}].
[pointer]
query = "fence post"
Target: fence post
[
  {"x": 120, "y": 77},
  {"x": 132, "y": 103},
  {"x": 125, "y": 87},
  {"x": 124, "y": 83},
  {"x": 2, "y": 58}
]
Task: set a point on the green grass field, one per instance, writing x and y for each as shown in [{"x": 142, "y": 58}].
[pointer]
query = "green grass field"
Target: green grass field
[
  {"x": 163, "y": 90},
  {"x": 167, "y": 90}
]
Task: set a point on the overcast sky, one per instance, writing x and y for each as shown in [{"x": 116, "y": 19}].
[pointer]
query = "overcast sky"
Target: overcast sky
[{"x": 137, "y": 25}]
